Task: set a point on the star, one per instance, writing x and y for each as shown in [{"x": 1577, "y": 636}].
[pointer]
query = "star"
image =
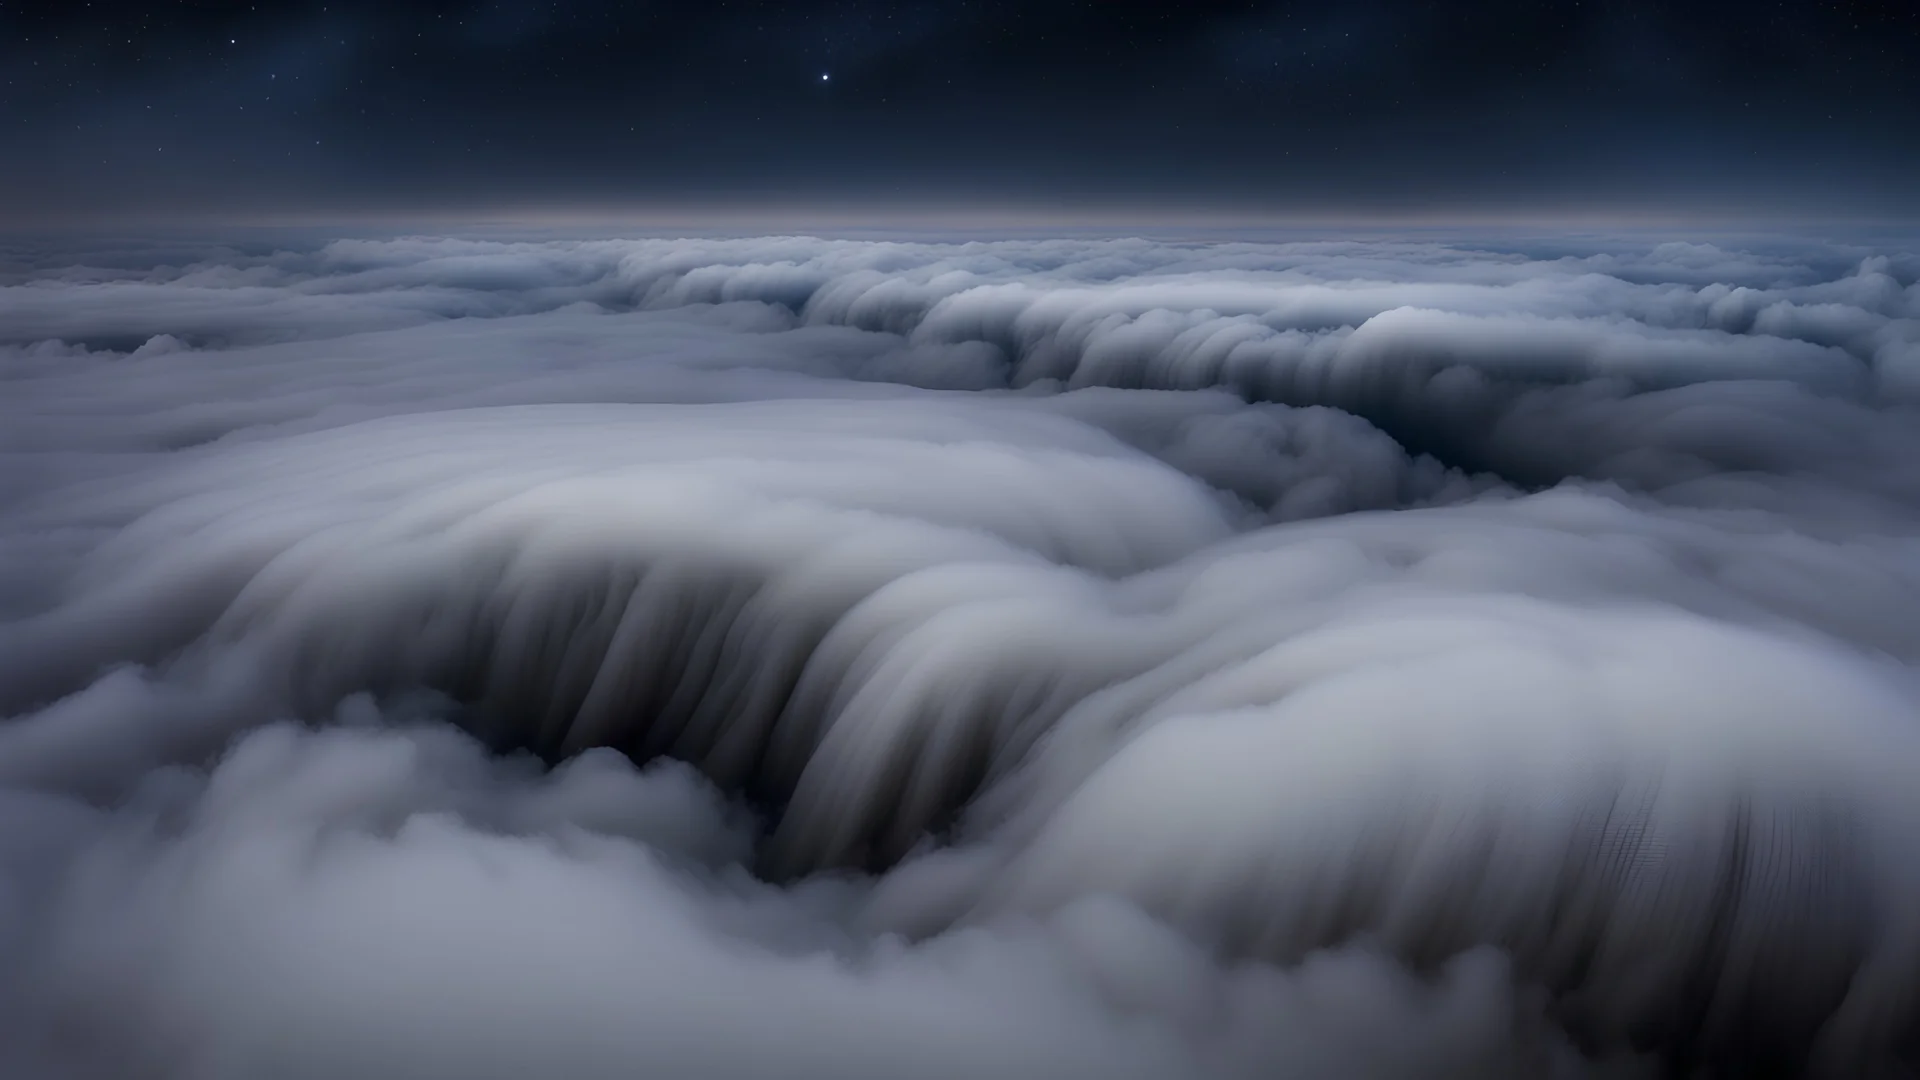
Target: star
[{"x": 823, "y": 76}]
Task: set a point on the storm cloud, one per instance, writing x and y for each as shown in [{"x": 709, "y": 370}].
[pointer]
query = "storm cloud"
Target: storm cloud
[{"x": 713, "y": 658}]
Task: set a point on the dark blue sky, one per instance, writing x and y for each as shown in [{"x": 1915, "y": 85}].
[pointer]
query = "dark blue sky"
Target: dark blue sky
[{"x": 324, "y": 108}]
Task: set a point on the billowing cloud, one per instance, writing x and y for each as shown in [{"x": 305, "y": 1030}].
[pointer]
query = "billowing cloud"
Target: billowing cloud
[{"x": 1042, "y": 658}]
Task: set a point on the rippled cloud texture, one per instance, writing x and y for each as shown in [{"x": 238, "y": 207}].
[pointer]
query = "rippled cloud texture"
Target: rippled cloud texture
[{"x": 791, "y": 657}]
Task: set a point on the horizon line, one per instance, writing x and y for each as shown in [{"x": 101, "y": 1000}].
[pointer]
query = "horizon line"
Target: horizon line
[{"x": 800, "y": 216}]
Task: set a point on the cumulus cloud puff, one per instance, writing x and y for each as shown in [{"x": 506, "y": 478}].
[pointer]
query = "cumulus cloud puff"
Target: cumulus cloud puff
[{"x": 795, "y": 657}]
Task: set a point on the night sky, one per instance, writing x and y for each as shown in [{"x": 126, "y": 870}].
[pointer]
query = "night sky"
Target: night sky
[{"x": 214, "y": 108}]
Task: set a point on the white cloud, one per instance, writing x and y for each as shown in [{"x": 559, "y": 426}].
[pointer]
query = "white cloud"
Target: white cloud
[{"x": 1528, "y": 665}]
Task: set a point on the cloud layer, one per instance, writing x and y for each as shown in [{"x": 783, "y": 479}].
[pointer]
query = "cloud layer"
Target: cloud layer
[{"x": 1038, "y": 658}]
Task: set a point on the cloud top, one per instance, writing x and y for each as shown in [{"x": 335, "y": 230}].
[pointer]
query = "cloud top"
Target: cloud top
[{"x": 1029, "y": 658}]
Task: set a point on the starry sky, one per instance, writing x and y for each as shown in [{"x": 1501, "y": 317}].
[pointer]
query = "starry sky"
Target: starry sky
[{"x": 181, "y": 107}]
